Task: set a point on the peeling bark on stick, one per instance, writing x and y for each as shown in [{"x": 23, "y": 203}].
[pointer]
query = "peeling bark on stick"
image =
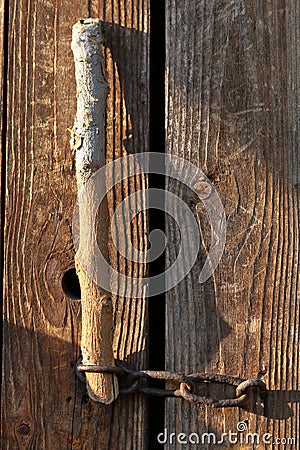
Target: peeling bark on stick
[{"x": 89, "y": 142}]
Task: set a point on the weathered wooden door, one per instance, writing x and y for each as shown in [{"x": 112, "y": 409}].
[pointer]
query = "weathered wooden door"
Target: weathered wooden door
[{"x": 231, "y": 102}]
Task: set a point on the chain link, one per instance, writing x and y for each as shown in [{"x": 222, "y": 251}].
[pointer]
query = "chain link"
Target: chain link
[{"x": 131, "y": 382}]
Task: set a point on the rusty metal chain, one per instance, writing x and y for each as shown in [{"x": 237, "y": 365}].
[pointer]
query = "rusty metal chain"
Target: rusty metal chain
[{"x": 133, "y": 378}]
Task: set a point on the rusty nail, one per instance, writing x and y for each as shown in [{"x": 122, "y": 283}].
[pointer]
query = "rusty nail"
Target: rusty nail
[
  {"x": 263, "y": 370},
  {"x": 203, "y": 189}
]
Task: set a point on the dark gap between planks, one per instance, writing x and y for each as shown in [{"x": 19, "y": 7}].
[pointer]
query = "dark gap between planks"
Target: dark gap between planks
[{"x": 156, "y": 217}]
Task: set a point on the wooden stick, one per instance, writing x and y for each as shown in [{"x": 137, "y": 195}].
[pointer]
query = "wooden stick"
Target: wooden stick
[{"x": 88, "y": 139}]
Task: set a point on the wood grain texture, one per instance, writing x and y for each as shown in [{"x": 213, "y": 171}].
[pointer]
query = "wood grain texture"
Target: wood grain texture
[
  {"x": 2, "y": 57},
  {"x": 233, "y": 110},
  {"x": 43, "y": 404}
]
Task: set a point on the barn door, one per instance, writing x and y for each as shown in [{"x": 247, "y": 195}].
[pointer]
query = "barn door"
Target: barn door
[{"x": 215, "y": 83}]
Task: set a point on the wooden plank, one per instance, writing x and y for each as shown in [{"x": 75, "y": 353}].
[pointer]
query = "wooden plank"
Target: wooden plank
[
  {"x": 233, "y": 110},
  {"x": 43, "y": 404},
  {"x": 126, "y": 36},
  {"x": 2, "y": 55},
  {"x": 2, "y": 102}
]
